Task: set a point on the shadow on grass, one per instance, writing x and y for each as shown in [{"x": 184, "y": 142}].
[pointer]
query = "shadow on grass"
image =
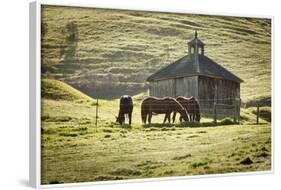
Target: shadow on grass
[
  {"x": 126, "y": 126},
  {"x": 180, "y": 125},
  {"x": 189, "y": 124},
  {"x": 118, "y": 125}
]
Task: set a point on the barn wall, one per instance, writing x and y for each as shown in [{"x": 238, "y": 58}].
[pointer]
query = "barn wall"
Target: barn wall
[
  {"x": 184, "y": 86},
  {"x": 187, "y": 86},
  {"x": 213, "y": 90},
  {"x": 206, "y": 92},
  {"x": 162, "y": 88}
]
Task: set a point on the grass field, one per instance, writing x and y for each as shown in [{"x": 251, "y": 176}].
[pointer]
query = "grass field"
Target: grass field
[
  {"x": 113, "y": 52},
  {"x": 75, "y": 150}
]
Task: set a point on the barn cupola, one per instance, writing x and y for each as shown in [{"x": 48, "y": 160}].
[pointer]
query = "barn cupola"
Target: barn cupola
[{"x": 196, "y": 46}]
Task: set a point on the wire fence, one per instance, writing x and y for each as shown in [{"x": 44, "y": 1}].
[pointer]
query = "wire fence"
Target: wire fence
[{"x": 214, "y": 108}]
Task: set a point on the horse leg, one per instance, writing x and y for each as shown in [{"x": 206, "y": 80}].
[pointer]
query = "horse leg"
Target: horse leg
[
  {"x": 169, "y": 117},
  {"x": 188, "y": 116},
  {"x": 130, "y": 118},
  {"x": 174, "y": 116},
  {"x": 144, "y": 119},
  {"x": 149, "y": 117},
  {"x": 165, "y": 118},
  {"x": 123, "y": 119},
  {"x": 193, "y": 116}
]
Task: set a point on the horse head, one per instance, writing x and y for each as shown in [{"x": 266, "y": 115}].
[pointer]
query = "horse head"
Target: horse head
[
  {"x": 120, "y": 119},
  {"x": 184, "y": 114}
]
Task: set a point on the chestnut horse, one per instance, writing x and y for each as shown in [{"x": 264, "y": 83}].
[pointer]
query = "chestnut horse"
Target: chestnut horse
[
  {"x": 125, "y": 107},
  {"x": 192, "y": 107},
  {"x": 167, "y": 105}
]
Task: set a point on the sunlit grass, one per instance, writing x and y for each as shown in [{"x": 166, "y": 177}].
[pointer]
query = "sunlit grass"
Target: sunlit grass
[{"x": 74, "y": 149}]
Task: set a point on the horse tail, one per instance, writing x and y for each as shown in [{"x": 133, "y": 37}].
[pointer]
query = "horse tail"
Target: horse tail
[
  {"x": 143, "y": 113},
  {"x": 197, "y": 111}
]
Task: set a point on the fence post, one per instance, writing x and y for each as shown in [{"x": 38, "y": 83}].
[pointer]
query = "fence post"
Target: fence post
[
  {"x": 234, "y": 111},
  {"x": 238, "y": 109},
  {"x": 258, "y": 113},
  {"x": 97, "y": 112},
  {"x": 215, "y": 113}
]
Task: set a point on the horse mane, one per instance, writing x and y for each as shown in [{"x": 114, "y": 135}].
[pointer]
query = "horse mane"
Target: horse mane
[{"x": 159, "y": 98}]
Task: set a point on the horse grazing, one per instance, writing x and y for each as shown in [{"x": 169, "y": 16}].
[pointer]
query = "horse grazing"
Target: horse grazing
[
  {"x": 192, "y": 107},
  {"x": 125, "y": 107},
  {"x": 167, "y": 105}
]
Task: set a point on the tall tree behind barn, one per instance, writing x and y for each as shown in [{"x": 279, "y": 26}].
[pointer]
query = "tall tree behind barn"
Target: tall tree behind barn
[{"x": 196, "y": 75}]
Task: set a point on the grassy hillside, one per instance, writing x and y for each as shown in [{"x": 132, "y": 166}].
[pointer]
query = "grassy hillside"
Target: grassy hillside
[
  {"x": 56, "y": 90},
  {"x": 106, "y": 53},
  {"x": 74, "y": 149}
]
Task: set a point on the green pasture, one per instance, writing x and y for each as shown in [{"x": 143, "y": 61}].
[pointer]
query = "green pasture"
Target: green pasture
[{"x": 74, "y": 149}]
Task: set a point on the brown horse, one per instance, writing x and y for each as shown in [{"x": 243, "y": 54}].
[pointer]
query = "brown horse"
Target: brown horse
[
  {"x": 192, "y": 107},
  {"x": 167, "y": 105},
  {"x": 125, "y": 107}
]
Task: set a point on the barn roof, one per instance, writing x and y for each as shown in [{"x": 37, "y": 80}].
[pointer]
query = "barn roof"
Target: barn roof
[{"x": 194, "y": 65}]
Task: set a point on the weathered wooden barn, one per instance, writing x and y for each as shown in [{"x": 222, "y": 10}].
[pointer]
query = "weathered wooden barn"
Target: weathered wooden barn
[{"x": 196, "y": 75}]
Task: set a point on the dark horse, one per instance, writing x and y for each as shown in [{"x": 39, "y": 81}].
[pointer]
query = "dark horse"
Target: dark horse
[
  {"x": 125, "y": 107},
  {"x": 167, "y": 105},
  {"x": 192, "y": 107}
]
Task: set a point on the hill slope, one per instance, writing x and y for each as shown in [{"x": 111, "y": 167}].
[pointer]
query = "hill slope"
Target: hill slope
[
  {"x": 106, "y": 53},
  {"x": 56, "y": 90}
]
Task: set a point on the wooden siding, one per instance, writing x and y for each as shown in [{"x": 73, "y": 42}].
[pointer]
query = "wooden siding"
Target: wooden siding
[
  {"x": 187, "y": 86},
  {"x": 184, "y": 86},
  {"x": 162, "y": 88},
  {"x": 180, "y": 86},
  {"x": 219, "y": 91}
]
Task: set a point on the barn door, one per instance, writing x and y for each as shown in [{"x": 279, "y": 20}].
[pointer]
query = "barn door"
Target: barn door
[{"x": 179, "y": 87}]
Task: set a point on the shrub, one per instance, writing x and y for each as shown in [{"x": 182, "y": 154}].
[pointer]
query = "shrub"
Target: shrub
[
  {"x": 246, "y": 161},
  {"x": 262, "y": 101},
  {"x": 265, "y": 113}
]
